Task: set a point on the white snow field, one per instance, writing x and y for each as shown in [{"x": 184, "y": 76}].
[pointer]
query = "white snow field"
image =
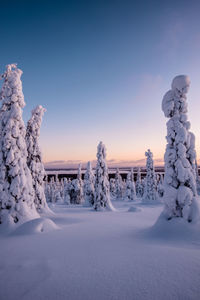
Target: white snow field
[{"x": 79, "y": 253}]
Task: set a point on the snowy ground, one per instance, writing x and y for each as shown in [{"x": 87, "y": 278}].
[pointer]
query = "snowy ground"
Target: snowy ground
[{"x": 100, "y": 255}]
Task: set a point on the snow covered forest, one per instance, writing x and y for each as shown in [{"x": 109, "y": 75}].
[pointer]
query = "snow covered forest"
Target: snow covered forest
[{"x": 95, "y": 237}]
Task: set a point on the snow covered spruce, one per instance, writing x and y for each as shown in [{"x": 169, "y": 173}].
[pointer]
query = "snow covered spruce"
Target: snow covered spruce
[
  {"x": 160, "y": 187},
  {"x": 102, "y": 188},
  {"x": 118, "y": 185},
  {"x": 16, "y": 186},
  {"x": 76, "y": 189},
  {"x": 34, "y": 159},
  {"x": 88, "y": 186},
  {"x": 130, "y": 187},
  {"x": 150, "y": 193},
  {"x": 180, "y": 191},
  {"x": 66, "y": 191},
  {"x": 138, "y": 185}
]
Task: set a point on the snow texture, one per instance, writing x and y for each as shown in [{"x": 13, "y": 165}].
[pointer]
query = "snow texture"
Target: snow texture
[
  {"x": 180, "y": 172},
  {"x": 102, "y": 188},
  {"x": 16, "y": 186}
]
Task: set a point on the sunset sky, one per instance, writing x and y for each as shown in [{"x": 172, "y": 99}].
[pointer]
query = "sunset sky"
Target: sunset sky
[{"x": 101, "y": 68}]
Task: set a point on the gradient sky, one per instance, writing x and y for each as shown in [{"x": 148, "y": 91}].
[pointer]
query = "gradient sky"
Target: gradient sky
[{"x": 101, "y": 68}]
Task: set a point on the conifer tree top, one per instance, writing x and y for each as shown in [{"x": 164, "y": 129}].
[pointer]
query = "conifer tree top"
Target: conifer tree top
[
  {"x": 181, "y": 83},
  {"x": 12, "y": 87}
]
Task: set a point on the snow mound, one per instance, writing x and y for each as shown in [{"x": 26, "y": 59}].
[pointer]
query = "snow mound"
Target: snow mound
[
  {"x": 176, "y": 229},
  {"x": 134, "y": 209},
  {"x": 39, "y": 225}
]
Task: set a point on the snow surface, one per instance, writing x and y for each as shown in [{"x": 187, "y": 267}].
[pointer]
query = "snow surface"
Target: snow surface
[{"x": 126, "y": 254}]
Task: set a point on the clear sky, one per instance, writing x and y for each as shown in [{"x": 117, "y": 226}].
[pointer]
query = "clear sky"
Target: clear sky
[{"x": 101, "y": 68}]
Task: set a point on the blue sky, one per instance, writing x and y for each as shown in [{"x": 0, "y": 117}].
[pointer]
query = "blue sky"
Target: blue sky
[{"x": 101, "y": 68}]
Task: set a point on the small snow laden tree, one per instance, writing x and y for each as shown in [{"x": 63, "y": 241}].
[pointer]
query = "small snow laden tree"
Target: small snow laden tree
[
  {"x": 75, "y": 190},
  {"x": 130, "y": 187},
  {"x": 53, "y": 190},
  {"x": 102, "y": 189},
  {"x": 66, "y": 191},
  {"x": 47, "y": 190},
  {"x": 34, "y": 159},
  {"x": 112, "y": 188},
  {"x": 88, "y": 186},
  {"x": 16, "y": 186},
  {"x": 180, "y": 179},
  {"x": 197, "y": 177},
  {"x": 132, "y": 179},
  {"x": 138, "y": 185},
  {"x": 160, "y": 187},
  {"x": 118, "y": 185},
  {"x": 62, "y": 188},
  {"x": 150, "y": 192},
  {"x": 80, "y": 197}
]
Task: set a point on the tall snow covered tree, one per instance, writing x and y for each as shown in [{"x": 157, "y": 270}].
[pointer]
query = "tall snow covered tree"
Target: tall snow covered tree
[
  {"x": 34, "y": 160},
  {"x": 180, "y": 155},
  {"x": 138, "y": 185},
  {"x": 88, "y": 186},
  {"x": 118, "y": 185},
  {"x": 102, "y": 190},
  {"x": 150, "y": 192},
  {"x": 16, "y": 186}
]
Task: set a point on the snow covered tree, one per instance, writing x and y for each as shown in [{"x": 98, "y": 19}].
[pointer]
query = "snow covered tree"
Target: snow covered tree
[
  {"x": 160, "y": 187},
  {"x": 80, "y": 184},
  {"x": 180, "y": 155},
  {"x": 47, "y": 191},
  {"x": 16, "y": 186},
  {"x": 112, "y": 188},
  {"x": 52, "y": 191},
  {"x": 118, "y": 185},
  {"x": 130, "y": 187},
  {"x": 66, "y": 191},
  {"x": 102, "y": 190},
  {"x": 197, "y": 177},
  {"x": 138, "y": 185},
  {"x": 150, "y": 193},
  {"x": 88, "y": 186},
  {"x": 75, "y": 190},
  {"x": 62, "y": 188},
  {"x": 34, "y": 159}
]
